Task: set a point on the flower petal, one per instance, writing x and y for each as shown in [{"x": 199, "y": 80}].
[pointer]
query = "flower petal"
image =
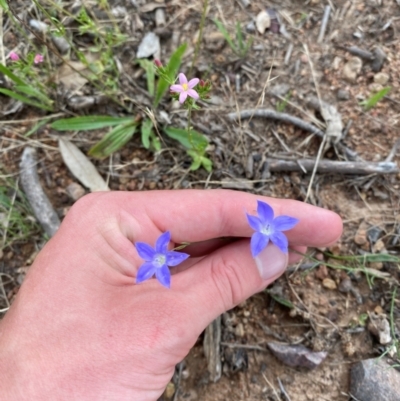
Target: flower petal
[
  {"x": 283, "y": 223},
  {"x": 258, "y": 243},
  {"x": 254, "y": 222},
  {"x": 176, "y": 88},
  {"x": 164, "y": 276},
  {"x": 193, "y": 82},
  {"x": 175, "y": 258},
  {"x": 280, "y": 241},
  {"x": 145, "y": 272},
  {"x": 192, "y": 93},
  {"x": 182, "y": 97},
  {"x": 265, "y": 212},
  {"x": 145, "y": 251},
  {"x": 182, "y": 78},
  {"x": 162, "y": 242}
]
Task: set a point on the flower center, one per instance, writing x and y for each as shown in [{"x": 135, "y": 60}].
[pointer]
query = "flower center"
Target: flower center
[
  {"x": 267, "y": 230},
  {"x": 159, "y": 260},
  {"x": 185, "y": 87}
]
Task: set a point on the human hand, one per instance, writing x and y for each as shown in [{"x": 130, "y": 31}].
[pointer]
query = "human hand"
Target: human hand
[{"x": 80, "y": 329}]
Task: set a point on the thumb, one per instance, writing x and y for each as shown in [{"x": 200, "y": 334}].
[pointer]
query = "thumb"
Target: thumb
[{"x": 227, "y": 277}]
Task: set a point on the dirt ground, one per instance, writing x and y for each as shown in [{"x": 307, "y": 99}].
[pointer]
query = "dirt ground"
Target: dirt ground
[{"x": 295, "y": 65}]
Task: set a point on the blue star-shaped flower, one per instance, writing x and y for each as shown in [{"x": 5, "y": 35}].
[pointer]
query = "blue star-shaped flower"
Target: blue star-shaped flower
[
  {"x": 158, "y": 259},
  {"x": 269, "y": 228}
]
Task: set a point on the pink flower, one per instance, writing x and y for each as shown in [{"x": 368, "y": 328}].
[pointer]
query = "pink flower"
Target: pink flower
[
  {"x": 13, "y": 56},
  {"x": 38, "y": 59},
  {"x": 185, "y": 88}
]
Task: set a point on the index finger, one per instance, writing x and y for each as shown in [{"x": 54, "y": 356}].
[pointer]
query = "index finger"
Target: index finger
[{"x": 199, "y": 215}]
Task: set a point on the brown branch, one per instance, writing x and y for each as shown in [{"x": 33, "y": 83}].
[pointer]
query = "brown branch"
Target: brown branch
[
  {"x": 334, "y": 167},
  {"x": 274, "y": 115}
]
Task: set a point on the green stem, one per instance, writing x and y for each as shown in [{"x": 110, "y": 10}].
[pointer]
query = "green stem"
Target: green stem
[
  {"x": 189, "y": 128},
  {"x": 200, "y": 38}
]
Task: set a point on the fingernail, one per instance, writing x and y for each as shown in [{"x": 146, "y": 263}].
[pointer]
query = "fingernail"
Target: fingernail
[{"x": 271, "y": 262}]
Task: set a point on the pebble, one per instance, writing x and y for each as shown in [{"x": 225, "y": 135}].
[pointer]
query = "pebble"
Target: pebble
[
  {"x": 379, "y": 59},
  {"x": 61, "y": 43},
  {"x": 343, "y": 94},
  {"x": 329, "y": 284},
  {"x": 379, "y": 246},
  {"x": 374, "y": 379},
  {"x": 379, "y": 326},
  {"x": 149, "y": 46},
  {"x": 263, "y": 21},
  {"x": 381, "y": 78},
  {"x": 75, "y": 191},
  {"x": 170, "y": 390},
  {"x": 361, "y": 236},
  {"x": 322, "y": 272},
  {"x": 374, "y": 232},
  {"x": 352, "y": 68}
]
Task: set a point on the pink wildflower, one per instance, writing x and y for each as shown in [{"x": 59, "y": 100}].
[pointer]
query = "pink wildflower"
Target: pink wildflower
[
  {"x": 38, "y": 59},
  {"x": 185, "y": 88},
  {"x": 13, "y": 56}
]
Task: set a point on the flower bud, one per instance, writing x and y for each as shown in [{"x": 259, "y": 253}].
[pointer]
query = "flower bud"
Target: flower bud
[{"x": 158, "y": 63}]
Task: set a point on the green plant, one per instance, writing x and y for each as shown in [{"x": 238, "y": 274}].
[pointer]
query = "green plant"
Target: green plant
[
  {"x": 237, "y": 44},
  {"x": 373, "y": 100},
  {"x": 25, "y": 92},
  {"x": 16, "y": 217},
  {"x": 281, "y": 105}
]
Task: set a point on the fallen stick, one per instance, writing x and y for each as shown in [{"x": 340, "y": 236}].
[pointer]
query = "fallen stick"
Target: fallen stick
[
  {"x": 324, "y": 24},
  {"x": 38, "y": 200},
  {"x": 334, "y": 167},
  {"x": 275, "y": 115}
]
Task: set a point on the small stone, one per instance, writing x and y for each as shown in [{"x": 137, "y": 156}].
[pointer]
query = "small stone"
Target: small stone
[
  {"x": 381, "y": 78},
  {"x": 322, "y": 272},
  {"x": 374, "y": 379},
  {"x": 345, "y": 285},
  {"x": 378, "y": 310},
  {"x": 251, "y": 27},
  {"x": 75, "y": 191},
  {"x": 379, "y": 247},
  {"x": 304, "y": 58},
  {"x": 152, "y": 185},
  {"x": 170, "y": 390},
  {"x": 376, "y": 265},
  {"x": 361, "y": 237},
  {"x": 374, "y": 232},
  {"x": 329, "y": 284},
  {"x": 263, "y": 21},
  {"x": 61, "y": 43},
  {"x": 379, "y": 59},
  {"x": 343, "y": 94},
  {"x": 239, "y": 331},
  {"x": 379, "y": 326},
  {"x": 149, "y": 46},
  {"x": 297, "y": 355},
  {"x": 352, "y": 68}
]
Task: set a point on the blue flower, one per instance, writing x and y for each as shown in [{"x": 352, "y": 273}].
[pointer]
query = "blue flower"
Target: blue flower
[
  {"x": 269, "y": 228},
  {"x": 158, "y": 259}
]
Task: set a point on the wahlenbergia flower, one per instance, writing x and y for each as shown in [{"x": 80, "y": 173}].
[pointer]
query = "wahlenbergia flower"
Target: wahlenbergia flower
[
  {"x": 158, "y": 259},
  {"x": 185, "y": 88},
  {"x": 13, "y": 56},
  {"x": 269, "y": 228},
  {"x": 38, "y": 59}
]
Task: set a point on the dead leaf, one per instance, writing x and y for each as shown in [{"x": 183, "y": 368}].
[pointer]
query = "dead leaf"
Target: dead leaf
[
  {"x": 81, "y": 167},
  {"x": 69, "y": 76}
]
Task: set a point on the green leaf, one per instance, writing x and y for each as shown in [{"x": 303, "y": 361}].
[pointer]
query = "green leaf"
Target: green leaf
[
  {"x": 172, "y": 69},
  {"x": 4, "y": 5},
  {"x": 87, "y": 123},
  {"x": 155, "y": 142},
  {"x": 38, "y": 125},
  {"x": 226, "y": 35},
  {"x": 25, "y": 100},
  {"x": 367, "y": 258},
  {"x": 113, "y": 141},
  {"x": 206, "y": 163},
  {"x": 10, "y": 75},
  {"x": 239, "y": 38},
  {"x": 281, "y": 300},
  {"x": 148, "y": 66},
  {"x": 28, "y": 90},
  {"x": 199, "y": 141},
  {"x": 146, "y": 128},
  {"x": 372, "y": 101}
]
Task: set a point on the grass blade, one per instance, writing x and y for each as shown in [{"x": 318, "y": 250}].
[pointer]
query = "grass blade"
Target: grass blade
[
  {"x": 226, "y": 35},
  {"x": 372, "y": 101},
  {"x": 148, "y": 66},
  {"x": 28, "y": 90},
  {"x": 146, "y": 128},
  {"x": 113, "y": 141},
  {"x": 25, "y": 100},
  {"x": 87, "y": 123},
  {"x": 10, "y": 75}
]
